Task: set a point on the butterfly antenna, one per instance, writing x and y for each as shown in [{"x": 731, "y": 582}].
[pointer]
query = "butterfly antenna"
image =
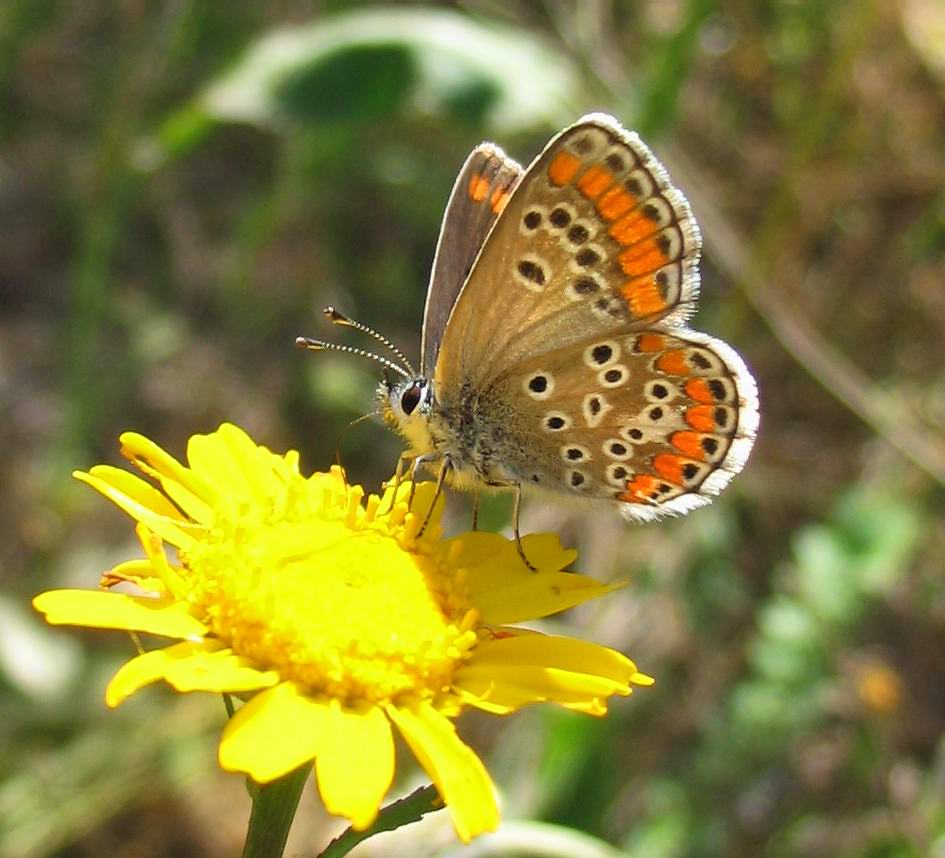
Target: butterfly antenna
[
  {"x": 336, "y": 317},
  {"x": 321, "y": 346}
]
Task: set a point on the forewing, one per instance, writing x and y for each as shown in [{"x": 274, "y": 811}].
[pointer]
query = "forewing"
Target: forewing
[
  {"x": 480, "y": 193},
  {"x": 657, "y": 420},
  {"x": 593, "y": 239}
]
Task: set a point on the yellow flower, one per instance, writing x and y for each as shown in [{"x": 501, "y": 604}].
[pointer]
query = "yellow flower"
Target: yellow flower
[{"x": 335, "y": 619}]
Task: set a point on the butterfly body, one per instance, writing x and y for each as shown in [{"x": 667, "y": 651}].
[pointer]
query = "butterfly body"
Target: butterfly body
[{"x": 555, "y": 352}]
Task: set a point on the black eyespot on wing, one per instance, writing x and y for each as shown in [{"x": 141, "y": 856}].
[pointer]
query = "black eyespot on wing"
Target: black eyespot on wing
[
  {"x": 577, "y": 479},
  {"x": 587, "y": 257},
  {"x": 659, "y": 391},
  {"x": 689, "y": 471},
  {"x": 602, "y": 353},
  {"x": 538, "y": 384},
  {"x": 531, "y": 271},
  {"x": 559, "y": 217},
  {"x": 615, "y": 163},
  {"x": 585, "y": 286},
  {"x": 710, "y": 445},
  {"x": 532, "y": 219},
  {"x": 717, "y": 388},
  {"x": 578, "y": 234},
  {"x": 613, "y": 375}
]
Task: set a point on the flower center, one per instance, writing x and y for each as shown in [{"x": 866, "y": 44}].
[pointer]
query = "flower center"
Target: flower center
[{"x": 340, "y": 607}]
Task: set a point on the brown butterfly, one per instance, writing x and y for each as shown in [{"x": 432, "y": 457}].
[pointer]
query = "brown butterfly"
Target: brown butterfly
[{"x": 555, "y": 354}]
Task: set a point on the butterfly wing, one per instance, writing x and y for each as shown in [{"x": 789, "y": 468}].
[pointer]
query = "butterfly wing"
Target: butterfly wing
[
  {"x": 595, "y": 247},
  {"x": 593, "y": 238},
  {"x": 480, "y": 193},
  {"x": 657, "y": 420}
]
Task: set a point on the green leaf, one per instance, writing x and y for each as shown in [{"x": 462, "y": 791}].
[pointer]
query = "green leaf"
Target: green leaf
[{"x": 370, "y": 63}]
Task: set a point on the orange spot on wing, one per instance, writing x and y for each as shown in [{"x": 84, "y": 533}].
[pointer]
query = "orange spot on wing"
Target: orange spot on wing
[
  {"x": 500, "y": 199},
  {"x": 689, "y": 443},
  {"x": 631, "y": 228},
  {"x": 478, "y": 188},
  {"x": 644, "y": 257},
  {"x": 673, "y": 362},
  {"x": 595, "y": 181},
  {"x": 615, "y": 202},
  {"x": 639, "y": 489},
  {"x": 669, "y": 467},
  {"x": 700, "y": 418},
  {"x": 563, "y": 168},
  {"x": 696, "y": 388},
  {"x": 650, "y": 343},
  {"x": 643, "y": 296}
]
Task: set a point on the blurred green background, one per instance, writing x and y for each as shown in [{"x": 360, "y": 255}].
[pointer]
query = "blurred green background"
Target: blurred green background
[{"x": 183, "y": 185}]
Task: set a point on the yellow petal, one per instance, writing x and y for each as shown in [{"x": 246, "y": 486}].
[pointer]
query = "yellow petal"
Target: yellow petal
[
  {"x": 158, "y": 463},
  {"x": 136, "y": 489},
  {"x": 534, "y": 650},
  {"x": 171, "y": 577},
  {"x": 275, "y": 732},
  {"x": 355, "y": 764},
  {"x": 525, "y": 667},
  {"x": 457, "y": 772},
  {"x": 471, "y": 549},
  {"x": 150, "y": 667},
  {"x": 219, "y": 672},
  {"x": 118, "y": 611},
  {"x": 137, "y": 572},
  {"x": 541, "y": 683},
  {"x": 169, "y": 529},
  {"x": 502, "y": 599},
  {"x": 499, "y": 697},
  {"x": 212, "y": 461}
]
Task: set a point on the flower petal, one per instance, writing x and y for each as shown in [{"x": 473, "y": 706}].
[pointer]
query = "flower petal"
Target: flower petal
[
  {"x": 457, "y": 772},
  {"x": 275, "y": 732},
  {"x": 169, "y": 529},
  {"x": 532, "y": 649},
  {"x": 136, "y": 489},
  {"x": 355, "y": 764},
  {"x": 154, "y": 461},
  {"x": 172, "y": 579},
  {"x": 509, "y": 672},
  {"x": 149, "y": 667},
  {"x": 93, "y": 608},
  {"x": 219, "y": 672},
  {"x": 503, "y": 598},
  {"x": 212, "y": 461}
]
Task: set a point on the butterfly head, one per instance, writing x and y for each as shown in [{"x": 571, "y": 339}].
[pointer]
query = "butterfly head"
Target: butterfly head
[{"x": 405, "y": 405}]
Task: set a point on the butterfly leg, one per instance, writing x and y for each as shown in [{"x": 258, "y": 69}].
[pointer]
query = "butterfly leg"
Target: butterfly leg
[
  {"x": 414, "y": 467},
  {"x": 475, "y": 512},
  {"x": 398, "y": 479},
  {"x": 440, "y": 481},
  {"x": 516, "y": 509}
]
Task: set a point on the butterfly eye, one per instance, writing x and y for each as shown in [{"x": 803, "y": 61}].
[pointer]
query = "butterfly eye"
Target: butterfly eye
[{"x": 410, "y": 398}]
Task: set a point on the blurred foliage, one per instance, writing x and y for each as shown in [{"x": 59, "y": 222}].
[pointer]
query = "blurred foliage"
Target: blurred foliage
[{"x": 185, "y": 184}]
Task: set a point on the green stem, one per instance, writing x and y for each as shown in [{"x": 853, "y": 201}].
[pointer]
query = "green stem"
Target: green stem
[
  {"x": 402, "y": 812},
  {"x": 273, "y": 811}
]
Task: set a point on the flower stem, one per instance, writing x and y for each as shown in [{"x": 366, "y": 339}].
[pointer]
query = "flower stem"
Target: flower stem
[
  {"x": 402, "y": 812},
  {"x": 274, "y": 808}
]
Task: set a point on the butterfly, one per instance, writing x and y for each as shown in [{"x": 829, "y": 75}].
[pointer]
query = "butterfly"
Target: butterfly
[{"x": 555, "y": 354}]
